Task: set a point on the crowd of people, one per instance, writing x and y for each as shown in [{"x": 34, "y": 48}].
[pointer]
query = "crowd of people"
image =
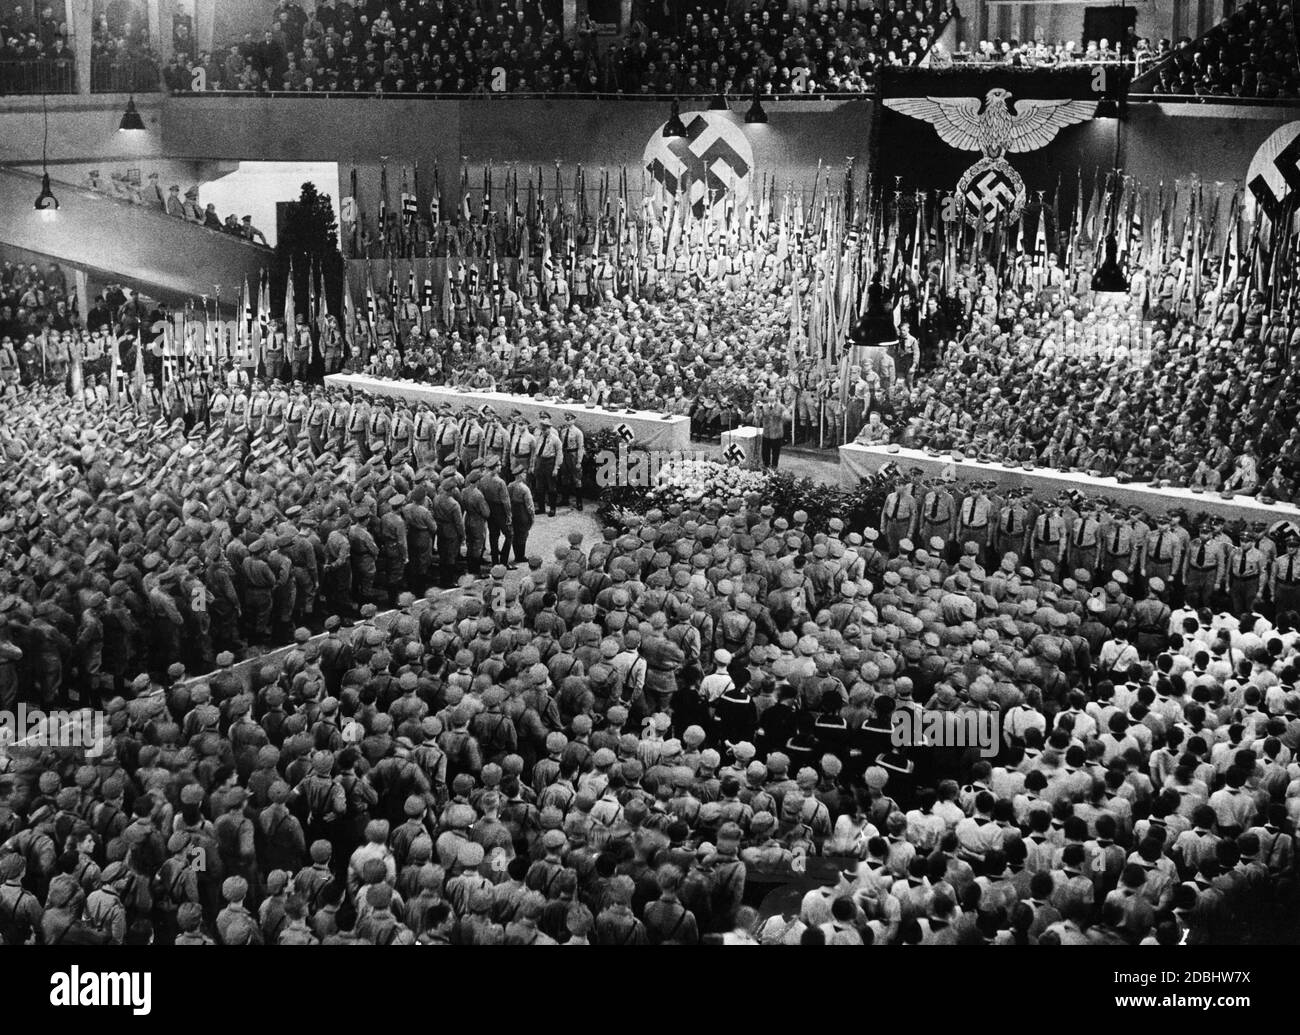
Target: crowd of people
[
  {"x": 1040, "y": 53},
  {"x": 125, "y": 186},
  {"x": 638, "y": 737},
  {"x": 33, "y": 299},
  {"x": 419, "y": 46},
  {"x": 1206, "y": 400},
  {"x": 1252, "y": 53},
  {"x": 34, "y": 52},
  {"x": 450, "y": 46}
]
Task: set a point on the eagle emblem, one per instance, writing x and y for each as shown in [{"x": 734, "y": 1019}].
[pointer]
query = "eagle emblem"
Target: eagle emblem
[
  {"x": 991, "y": 188},
  {"x": 991, "y": 127}
]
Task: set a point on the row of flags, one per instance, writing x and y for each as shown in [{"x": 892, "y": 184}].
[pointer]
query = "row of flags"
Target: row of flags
[{"x": 830, "y": 245}]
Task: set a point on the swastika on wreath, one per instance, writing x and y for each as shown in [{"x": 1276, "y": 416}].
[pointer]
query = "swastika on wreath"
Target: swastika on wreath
[
  {"x": 992, "y": 190},
  {"x": 712, "y": 159},
  {"x": 990, "y": 193}
]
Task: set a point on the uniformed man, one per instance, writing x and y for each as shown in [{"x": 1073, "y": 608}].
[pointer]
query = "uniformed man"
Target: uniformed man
[
  {"x": 522, "y": 513},
  {"x": 400, "y": 432},
  {"x": 1014, "y": 524},
  {"x": 548, "y": 457},
  {"x": 364, "y": 553},
  {"x": 259, "y": 586},
  {"x": 1163, "y": 554},
  {"x": 1084, "y": 547},
  {"x": 522, "y": 447},
  {"x": 302, "y": 349},
  {"x": 1151, "y": 618},
  {"x": 1285, "y": 581},
  {"x": 573, "y": 446},
  {"x": 495, "y": 440},
  {"x": 1048, "y": 539},
  {"x": 358, "y": 422},
  {"x": 975, "y": 520},
  {"x": 898, "y": 516},
  {"x": 477, "y": 513},
  {"x": 1205, "y": 569},
  {"x": 1117, "y": 547},
  {"x": 424, "y": 427},
  {"x": 470, "y": 438},
  {"x": 450, "y": 519},
  {"x": 381, "y": 419},
  {"x": 331, "y": 345},
  {"x": 497, "y": 496},
  {"x": 421, "y": 531},
  {"x": 318, "y": 421},
  {"x": 1245, "y": 571},
  {"x": 393, "y": 556}
]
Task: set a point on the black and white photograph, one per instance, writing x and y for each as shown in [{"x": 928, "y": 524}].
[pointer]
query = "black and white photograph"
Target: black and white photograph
[{"x": 646, "y": 474}]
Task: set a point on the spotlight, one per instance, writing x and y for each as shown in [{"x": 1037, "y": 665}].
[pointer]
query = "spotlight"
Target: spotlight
[
  {"x": 131, "y": 120},
  {"x": 756, "y": 115},
  {"x": 719, "y": 102},
  {"x": 46, "y": 203},
  {"x": 674, "y": 127}
]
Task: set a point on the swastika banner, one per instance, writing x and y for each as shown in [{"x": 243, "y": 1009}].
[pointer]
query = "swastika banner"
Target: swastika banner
[
  {"x": 1274, "y": 175},
  {"x": 713, "y": 159},
  {"x": 993, "y": 137}
]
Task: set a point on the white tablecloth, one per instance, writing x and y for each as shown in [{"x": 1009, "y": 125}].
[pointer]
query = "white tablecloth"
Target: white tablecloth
[
  {"x": 650, "y": 430},
  {"x": 861, "y": 461}
]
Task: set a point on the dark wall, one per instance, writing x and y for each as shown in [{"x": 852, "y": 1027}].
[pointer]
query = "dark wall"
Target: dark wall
[
  {"x": 1155, "y": 142},
  {"x": 597, "y": 134},
  {"x": 1214, "y": 141}
]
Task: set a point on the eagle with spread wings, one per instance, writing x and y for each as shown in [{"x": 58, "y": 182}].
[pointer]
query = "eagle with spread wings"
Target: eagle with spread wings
[{"x": 992, "y": 127}]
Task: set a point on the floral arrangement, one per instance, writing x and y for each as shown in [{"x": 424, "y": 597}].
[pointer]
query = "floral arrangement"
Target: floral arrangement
[{"x": 693, "y": 483}]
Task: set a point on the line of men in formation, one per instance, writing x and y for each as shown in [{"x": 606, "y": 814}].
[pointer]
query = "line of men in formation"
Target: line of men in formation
[
  {"x": 130, "y": 543},
  {"x": 1207, "y": 561},
  {"x": 634, "y": 741}
]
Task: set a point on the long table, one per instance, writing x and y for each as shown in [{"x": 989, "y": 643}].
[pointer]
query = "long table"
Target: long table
[
  {"x": 858, "y": 461},
  {"x": 649, "y": 430}
]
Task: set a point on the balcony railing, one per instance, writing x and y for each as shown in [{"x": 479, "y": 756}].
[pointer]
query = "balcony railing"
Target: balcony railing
[
  {"x": 37, "y": 75},
  {"x": 129, "y": 73}
]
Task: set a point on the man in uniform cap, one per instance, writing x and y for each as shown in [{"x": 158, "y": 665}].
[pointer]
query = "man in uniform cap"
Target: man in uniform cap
[
  {"x": 450, "y": 519},
  {"x": 1246, "y": 569},
  {"x": 1015, "y": 521},
  {"x": 547, "y": 462},
  {"x": 898, "y": 517},
  {"x": 364, "y": 554},
  {"x": 521, "y": 447},
  {"x": 497, "y": 496},
  {"x": 573, "y": 451},
  {"x": 1285, "y": 579},
  {"x": 937, "y": 514},
  {"x": 1205, "y": 568},
  {"x": 1048, "y": 539},
  {"x": 1163, "y": 554},
  {"x": 522, "y": 513},
  {"x": 477, "y": 513},
  {"x": 259, "y": 586}
]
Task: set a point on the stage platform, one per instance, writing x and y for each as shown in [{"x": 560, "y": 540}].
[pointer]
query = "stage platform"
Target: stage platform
[
  {"x": 649, "y": 430},
  {"x": 858, "y": 461}
]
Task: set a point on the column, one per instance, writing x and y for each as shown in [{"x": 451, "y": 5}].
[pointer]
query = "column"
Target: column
[
  {"x": 570, "y": 17},
  {"x": 80, "y": 18},
  {"x": 80, "y": 285},
  {"x": 625, "y": 16},
  {"x": 159, "y": 14},
  {"x": 205, "y": 16}
]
